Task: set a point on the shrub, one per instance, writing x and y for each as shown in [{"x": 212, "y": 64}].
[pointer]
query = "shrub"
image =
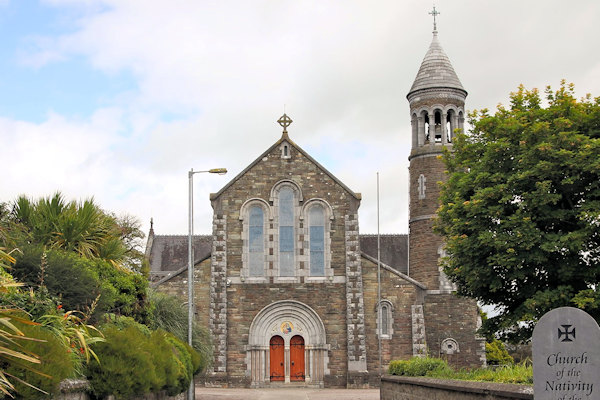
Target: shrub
[
  {"x": 135, "y": 361},
  {"x": 125, "y": 367},
  {"x": 497, "y": 354},
  {"x": 183, "y": 353},
  {"x": 417, "y": 366},
  {"x": 89, "y": 281}
]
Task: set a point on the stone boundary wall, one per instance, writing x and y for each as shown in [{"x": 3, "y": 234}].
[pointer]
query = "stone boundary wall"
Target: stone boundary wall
[
  {"x": 76, "y": 389},
  {"x": 409, "y": 388}
]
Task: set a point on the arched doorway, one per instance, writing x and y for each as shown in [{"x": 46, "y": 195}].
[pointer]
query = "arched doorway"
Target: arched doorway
[
  {"x": 302, "y": 333},
  {"x": 276, "y": 358},
  {"x": 297, "y": 358}
]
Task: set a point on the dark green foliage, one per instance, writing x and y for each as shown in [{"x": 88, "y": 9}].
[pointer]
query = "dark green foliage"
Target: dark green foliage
[
  {"x": 134, "y": 361},
  {"x": 125, "y": 367},
  {"x": 77, "y": 282},
  {"x": 183, "y": 354},
  {"x": 56, "y": 363},
  {"x": 496, "y": 353},
  {"x": 417, "y": 366},
  {"x": 520, "y": 212}
]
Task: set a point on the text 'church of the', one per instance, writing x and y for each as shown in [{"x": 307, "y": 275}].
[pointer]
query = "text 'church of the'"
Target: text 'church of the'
[{"x": 287, "y": 285}]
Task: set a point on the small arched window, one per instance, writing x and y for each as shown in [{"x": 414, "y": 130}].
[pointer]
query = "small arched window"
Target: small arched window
[
  {"x": 385, "y": 319},
  {"x": 316, "y": 219},
  {"x": 256, "y": 241},
  {"x": 286, "y": 232}
]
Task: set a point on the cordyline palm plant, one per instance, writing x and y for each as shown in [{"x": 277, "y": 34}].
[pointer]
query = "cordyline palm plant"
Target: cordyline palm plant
[
  {"x": 10, "y": 349},
  {"x": 81, "y": 227}
]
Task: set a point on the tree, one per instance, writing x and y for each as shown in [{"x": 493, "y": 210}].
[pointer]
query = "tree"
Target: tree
[
  {"x": 79, "y": 227},
  {"x": 520, "y": 212}
]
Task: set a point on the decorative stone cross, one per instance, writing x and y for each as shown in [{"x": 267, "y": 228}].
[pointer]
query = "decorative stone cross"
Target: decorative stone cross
[
  {"x": 284, "y": 121},
  {"x": 435, "y": 13}
]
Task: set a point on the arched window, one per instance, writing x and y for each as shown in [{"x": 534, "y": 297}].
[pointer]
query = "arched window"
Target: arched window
[
  {"x": 437, "y": 126},
  {"x": 256, "y": 241},
  {"x": 286, "y": 232},
  {"x": 385, "y": 319},
  {"x": 316, "y": 220}
]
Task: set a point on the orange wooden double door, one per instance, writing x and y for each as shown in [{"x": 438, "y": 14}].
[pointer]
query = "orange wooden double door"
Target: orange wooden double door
[{"x": 277, "y": 358}]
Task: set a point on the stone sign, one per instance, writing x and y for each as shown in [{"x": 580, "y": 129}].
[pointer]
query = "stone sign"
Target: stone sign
[{"x": 566, "y": 356}]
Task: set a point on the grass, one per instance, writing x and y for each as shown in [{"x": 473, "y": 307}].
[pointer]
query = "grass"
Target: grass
[{"x": 521, "y": 373}]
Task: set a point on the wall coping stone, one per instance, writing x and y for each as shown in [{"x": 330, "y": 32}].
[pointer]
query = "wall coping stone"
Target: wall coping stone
[
  {"x": 507, "y": 390},
  {"x": 73, "y": 385}
]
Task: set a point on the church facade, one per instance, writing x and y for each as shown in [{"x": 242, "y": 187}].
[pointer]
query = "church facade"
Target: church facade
[{"x": 289, "y": 287}]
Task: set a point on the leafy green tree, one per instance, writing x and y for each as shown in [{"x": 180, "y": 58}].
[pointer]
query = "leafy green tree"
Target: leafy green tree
[{"x": 520, "y": 211}]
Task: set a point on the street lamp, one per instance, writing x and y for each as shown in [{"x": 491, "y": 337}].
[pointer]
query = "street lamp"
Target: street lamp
[{"x": 220, "y": 171}]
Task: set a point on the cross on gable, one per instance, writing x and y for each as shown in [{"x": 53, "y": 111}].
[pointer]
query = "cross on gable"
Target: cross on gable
[
  {"x": 435, "y": 13},
  {"x": 284, "y": 121}
]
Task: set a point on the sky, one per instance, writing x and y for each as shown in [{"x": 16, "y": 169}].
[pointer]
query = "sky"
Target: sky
[{"x": 119, "y": 99}]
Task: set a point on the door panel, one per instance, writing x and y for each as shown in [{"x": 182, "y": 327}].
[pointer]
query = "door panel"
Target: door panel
[
  {"x": 297, "y": 358},
  {"x": 276, "y": 354}
]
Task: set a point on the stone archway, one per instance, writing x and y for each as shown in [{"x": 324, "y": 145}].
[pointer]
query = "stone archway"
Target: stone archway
[{"x": 287, "y": 319}]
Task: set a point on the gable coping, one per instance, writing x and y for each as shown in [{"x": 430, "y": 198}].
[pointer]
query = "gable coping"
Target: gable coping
[
  {"x": 394, "y": 271},
  {"x": 284, "y": 138}
]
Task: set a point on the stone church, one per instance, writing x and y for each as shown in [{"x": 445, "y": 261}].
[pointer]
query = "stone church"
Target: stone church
[{"x": 288, "y": 286}]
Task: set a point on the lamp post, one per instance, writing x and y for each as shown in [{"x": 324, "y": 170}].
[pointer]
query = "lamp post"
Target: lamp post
[{"x": 220, "y": 171}]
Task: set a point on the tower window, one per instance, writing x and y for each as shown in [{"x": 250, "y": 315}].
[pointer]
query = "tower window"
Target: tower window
[{"x": 422, "y": 186}]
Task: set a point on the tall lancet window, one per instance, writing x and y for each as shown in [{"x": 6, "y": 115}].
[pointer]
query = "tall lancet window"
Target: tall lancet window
[
  {"x": 316, "y": 219},
  {"x": 256, "y": 241},
  {"x": 286, "y": 232}
]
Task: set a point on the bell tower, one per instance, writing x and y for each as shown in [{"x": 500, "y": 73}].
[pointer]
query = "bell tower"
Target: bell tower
[{"x": 437, "y": 100}]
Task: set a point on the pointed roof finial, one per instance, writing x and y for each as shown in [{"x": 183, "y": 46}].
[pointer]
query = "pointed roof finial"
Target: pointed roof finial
[
  {"x": 284, "y": 121},
  {"x": 435, "y": 13}
]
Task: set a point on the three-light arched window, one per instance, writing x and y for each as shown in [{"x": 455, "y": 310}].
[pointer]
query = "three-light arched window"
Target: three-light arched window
[{"x": 286, "y": 238}]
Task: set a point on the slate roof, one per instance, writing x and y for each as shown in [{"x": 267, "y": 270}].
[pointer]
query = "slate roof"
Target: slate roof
[
  {"x": 393, "y": 249},
  {"x": 436, "y": 71},
  {"x": 168, "y": 253}
]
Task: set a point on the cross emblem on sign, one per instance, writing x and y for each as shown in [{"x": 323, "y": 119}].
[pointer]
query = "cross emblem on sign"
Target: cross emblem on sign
[
  {"x": 285, "y": 121},
  {"x": 566, "y": 333}
]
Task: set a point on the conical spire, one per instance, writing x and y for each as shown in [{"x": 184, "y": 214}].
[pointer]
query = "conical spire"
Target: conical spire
[{"x": 436, "y": 71}]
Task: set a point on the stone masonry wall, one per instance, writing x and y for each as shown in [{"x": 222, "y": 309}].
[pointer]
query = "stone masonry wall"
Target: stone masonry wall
[
  {"x": 451, "y": 316},
  {"x": 327, "y": 296},
  {"x": 355, "y": 310},
  {"x": 177, "y": 286},
  {"x": 401, "y": 294},
  {"x": 424, "y": 244},
  {"x": 218, "y": 293},
  {"x": 409, "y": 388}
]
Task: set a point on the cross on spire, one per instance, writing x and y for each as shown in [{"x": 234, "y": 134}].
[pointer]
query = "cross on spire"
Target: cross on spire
[
  {"x": 435, "y": 13},
  {"x": 284, "y": 121}
]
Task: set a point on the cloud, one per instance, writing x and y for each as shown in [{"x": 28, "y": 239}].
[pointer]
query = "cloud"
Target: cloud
[{"x": 212, "y": 77}]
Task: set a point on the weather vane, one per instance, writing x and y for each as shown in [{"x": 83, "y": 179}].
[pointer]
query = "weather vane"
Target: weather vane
[
  {"x": 435, "y": 13},
  {"x": 284, "y": 121}
]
